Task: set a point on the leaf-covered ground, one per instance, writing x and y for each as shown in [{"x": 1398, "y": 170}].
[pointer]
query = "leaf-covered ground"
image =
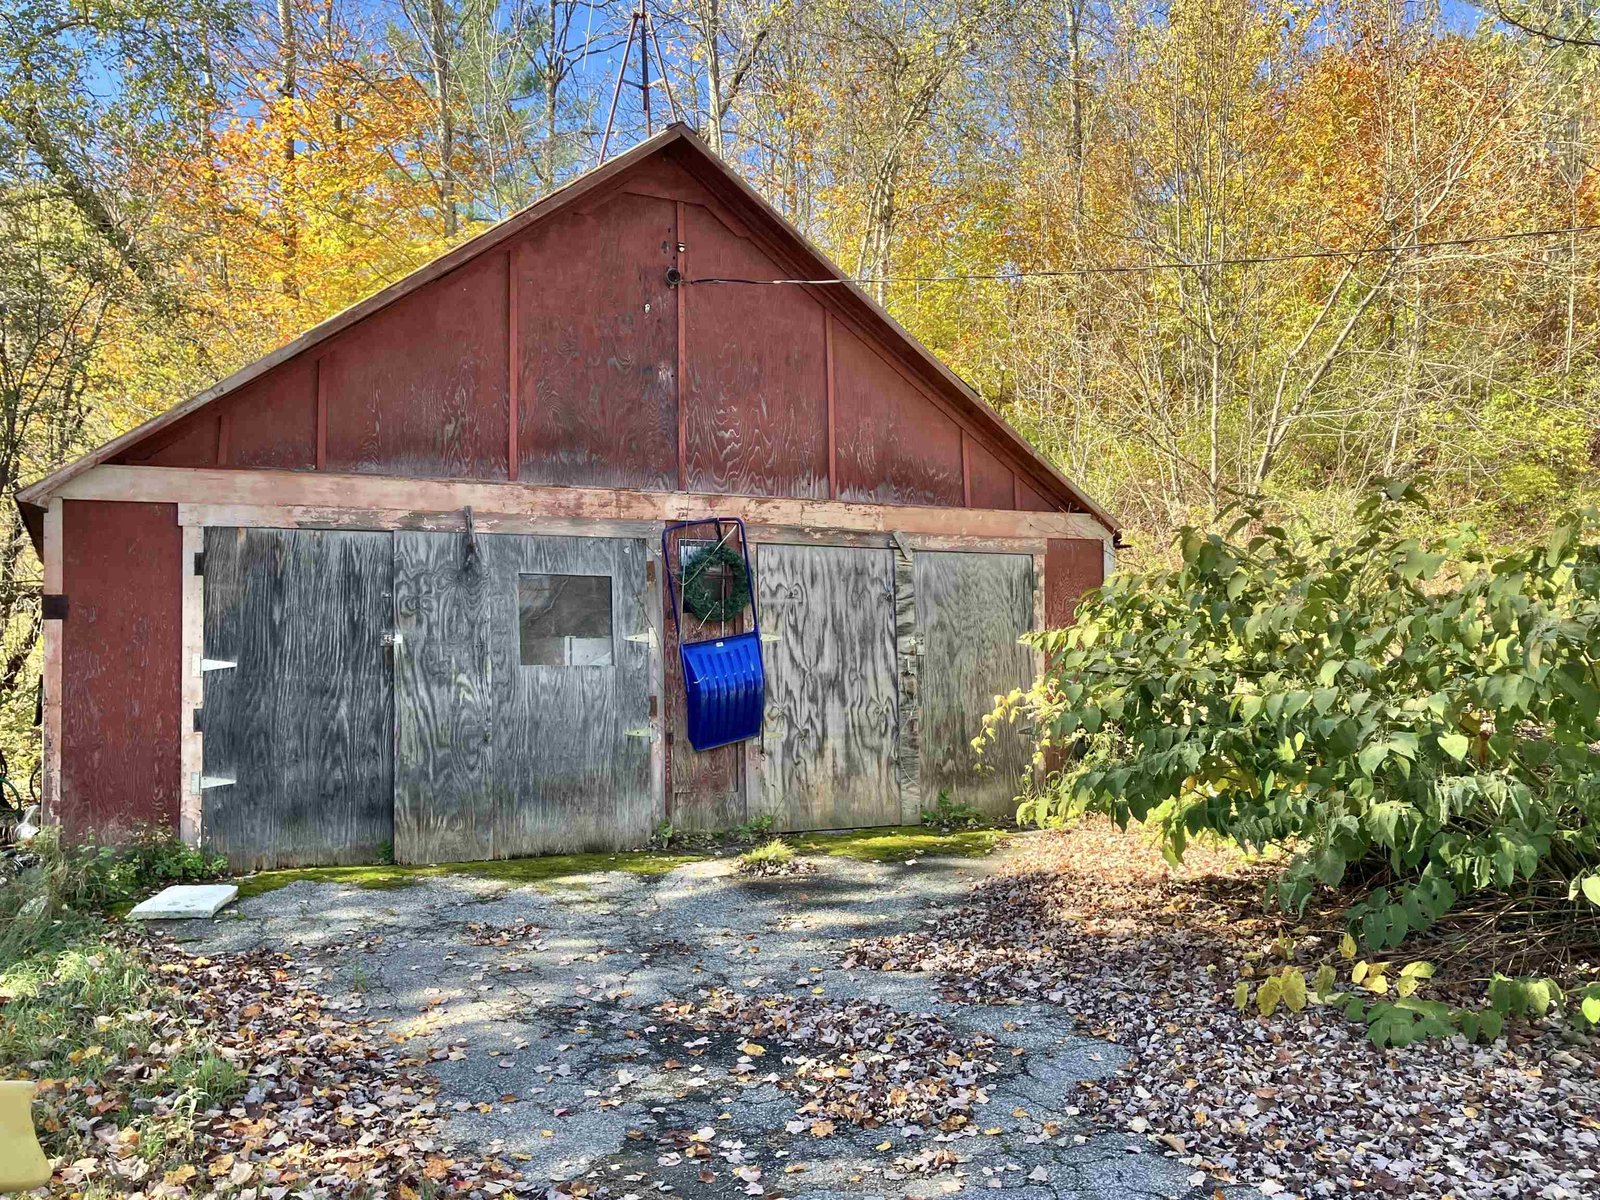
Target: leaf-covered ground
[
  {"x": 1094, "y": 921},
  {"x": 1053, "y": 1022}
]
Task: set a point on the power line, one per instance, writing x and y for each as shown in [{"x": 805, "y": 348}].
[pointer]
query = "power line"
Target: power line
[{"x": 1179, "y": 265}]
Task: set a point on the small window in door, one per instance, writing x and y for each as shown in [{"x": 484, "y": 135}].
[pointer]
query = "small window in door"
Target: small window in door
[{"x": 565, "y": 620}]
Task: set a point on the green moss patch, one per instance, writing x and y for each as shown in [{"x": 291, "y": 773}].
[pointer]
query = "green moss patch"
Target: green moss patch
[
  {"x": 900, "y": 842},
  {"x": 548, "y": 869}
]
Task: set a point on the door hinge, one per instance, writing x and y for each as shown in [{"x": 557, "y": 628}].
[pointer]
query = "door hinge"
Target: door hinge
[
  {"x": 647, "y": 731},
  {"x": 204, "y": 783},
  {"x": 647, "y": 638},
  {"x": 202, "y": 665},
  {"x": 53, "y": 606}
]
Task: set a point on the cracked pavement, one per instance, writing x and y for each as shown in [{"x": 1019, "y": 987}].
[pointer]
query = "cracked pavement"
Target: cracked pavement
[{"x": 535, "y": 1005}]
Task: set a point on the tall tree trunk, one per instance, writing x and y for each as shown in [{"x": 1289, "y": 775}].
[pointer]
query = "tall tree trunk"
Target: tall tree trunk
[
  {"x": 439, "y": 51},
  {"x": 288, "y": 89},
  {"x": 552, "y": 92}
]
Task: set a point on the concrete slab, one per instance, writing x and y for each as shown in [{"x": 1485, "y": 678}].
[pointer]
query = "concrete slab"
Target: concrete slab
[{"x": 186, "y": 901}]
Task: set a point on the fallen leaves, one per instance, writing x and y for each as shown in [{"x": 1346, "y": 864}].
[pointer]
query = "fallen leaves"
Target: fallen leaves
[
  {"x": 1093, "y": 920},
  {"x": 324, "y": 1104},
  {"x": 849, "y": 1060}
]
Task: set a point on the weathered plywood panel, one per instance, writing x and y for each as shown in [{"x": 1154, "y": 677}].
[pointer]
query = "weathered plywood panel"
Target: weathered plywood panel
[
  {"x": 445, "y": 808},
  {"x": 828, "y": 750},
  {"x": 1029, "y": 500},
  {"x": 1071, "y": 567},
  {"x": 272, "y": 421},
  {"x": 419, "y": 388},
  {"x": 895, "y": 446},
  {"x": 756, "y": 404},
  {"x": 303, "y": 722},
  {"x": 597, "y": 393},
  {"x": 120, "y": 648},
  {"x": 496, "y": 759},
  {"x": 971, "y": 609},
  {"x": 988, "y": 479},
  {"x": 191, "y": 442}
]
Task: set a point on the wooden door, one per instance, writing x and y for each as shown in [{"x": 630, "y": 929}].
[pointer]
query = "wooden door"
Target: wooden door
[
  {"x": 971, "y": 609},
  {"x": 522, "y": 696},
  {"x": 297, "y": 709},
  {"x": 828, "y": 744}
]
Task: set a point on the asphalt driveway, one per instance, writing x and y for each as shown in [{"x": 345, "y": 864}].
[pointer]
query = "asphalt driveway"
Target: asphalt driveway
[{"x": 696, "y": 1033}]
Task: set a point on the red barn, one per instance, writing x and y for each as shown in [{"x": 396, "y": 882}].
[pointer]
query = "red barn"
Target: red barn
[{"x": 399, "y": 584}]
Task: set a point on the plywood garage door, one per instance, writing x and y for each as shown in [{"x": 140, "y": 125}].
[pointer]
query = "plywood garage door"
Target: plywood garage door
[
  {"x": 302, "y": 720},
  {"x": 828, "y": 744},
  {"x": 514, "y": 737},
  {"x": 971, "y": 609}
]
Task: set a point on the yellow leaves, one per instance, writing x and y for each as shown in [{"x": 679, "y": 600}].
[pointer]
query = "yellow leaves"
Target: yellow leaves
[
  {"x": 822, "y": 1129},
  {"x": 753, "y": 1049}
]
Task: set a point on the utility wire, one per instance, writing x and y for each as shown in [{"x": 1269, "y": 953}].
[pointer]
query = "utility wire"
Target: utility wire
[{"x": 1200, "y": 265}]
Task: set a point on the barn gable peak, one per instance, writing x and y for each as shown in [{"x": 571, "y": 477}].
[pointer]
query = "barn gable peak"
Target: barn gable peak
[{"x": 568, "y": 345}]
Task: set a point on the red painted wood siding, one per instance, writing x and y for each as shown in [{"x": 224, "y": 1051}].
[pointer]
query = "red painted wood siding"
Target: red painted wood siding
[
  {"x": 120, "y": 663},
  {"x": 894, "y": 445},
  {"x": 756, "y": 405},
  {"x": 1071, "y": 567},
  {"x": 597, "y": 393},
  {"x": 574, "y": 321}
]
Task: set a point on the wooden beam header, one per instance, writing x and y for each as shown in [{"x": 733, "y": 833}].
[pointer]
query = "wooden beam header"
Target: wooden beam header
[{"x": 331, "y": 498}]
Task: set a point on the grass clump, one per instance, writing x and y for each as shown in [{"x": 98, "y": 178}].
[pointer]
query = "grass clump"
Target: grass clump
[
  {"x": 92, "y": 1024},
  {"x": 773, "y": 859}
]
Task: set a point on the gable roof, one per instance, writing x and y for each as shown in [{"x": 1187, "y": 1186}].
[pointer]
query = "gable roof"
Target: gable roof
[{"x": 679, "y": 143}]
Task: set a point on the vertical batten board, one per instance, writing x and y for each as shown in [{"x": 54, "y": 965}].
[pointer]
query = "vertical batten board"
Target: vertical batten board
[
  {"x": 301, "y": 723},
  {"x": 908, "y": 726},
  {"x": 828, "y": 742},
  {"x": 680, "y": 372},
  {"x": 50, "y": 792},
  {"x": 191, "y": 753},
  {"x": 971, "y": 609},
  {"x": 752, "y": 764},
  {"x": 827, "y": 383},
  {"x": 655, "y": 619},
  {"x": 513, "y": 365}
]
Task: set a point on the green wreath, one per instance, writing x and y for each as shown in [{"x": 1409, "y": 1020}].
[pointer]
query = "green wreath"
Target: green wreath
[{"x": 715, "y": 598}]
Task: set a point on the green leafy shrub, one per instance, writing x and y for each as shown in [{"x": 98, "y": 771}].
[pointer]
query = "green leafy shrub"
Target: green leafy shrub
[
  {"x": 1364, "y": 700},
  {"x": 948, "y": 816},
  {"x": 756, "y": 828}
]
